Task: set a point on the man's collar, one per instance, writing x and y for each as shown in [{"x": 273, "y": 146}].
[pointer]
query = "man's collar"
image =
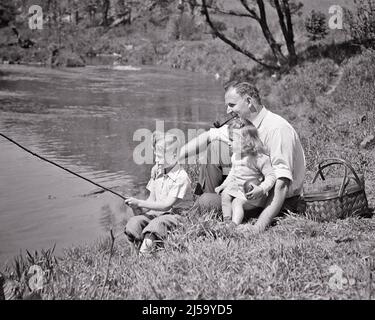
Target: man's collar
[{"x": 260, "y": 117}]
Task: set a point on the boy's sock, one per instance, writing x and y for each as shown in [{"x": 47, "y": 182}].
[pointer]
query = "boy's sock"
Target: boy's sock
[{"x": 148, "y": 244}]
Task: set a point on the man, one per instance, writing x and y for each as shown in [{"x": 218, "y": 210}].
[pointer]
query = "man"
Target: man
[{"x": 279, "y": 137}]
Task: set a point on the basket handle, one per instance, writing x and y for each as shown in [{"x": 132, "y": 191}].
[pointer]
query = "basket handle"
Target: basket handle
[{"x": 328, "y": 162}]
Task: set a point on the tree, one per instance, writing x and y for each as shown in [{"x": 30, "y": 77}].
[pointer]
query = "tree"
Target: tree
[
  {"x": 7, "y": 13},
  {"x": 256, "y": 11},
  {"x": 316, "y": 26},
  {"x": 105, "y": 5}
]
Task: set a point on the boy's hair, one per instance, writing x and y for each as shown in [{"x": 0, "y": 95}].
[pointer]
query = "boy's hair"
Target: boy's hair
[
  {"x": 164, "y": 141},
  {"x": 251, "y": 143}
]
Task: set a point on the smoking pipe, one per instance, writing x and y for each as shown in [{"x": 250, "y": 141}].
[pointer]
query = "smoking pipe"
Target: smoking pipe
[{"x": 218, "y": 125}]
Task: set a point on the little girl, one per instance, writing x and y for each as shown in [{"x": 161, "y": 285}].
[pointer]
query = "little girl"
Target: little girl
[{"x": 249, "y": 162}]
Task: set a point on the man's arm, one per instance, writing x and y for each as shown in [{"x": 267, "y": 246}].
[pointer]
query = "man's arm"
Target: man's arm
[
  {"x": 274, "y": 204},
  {"x": 194, "y": 146}
]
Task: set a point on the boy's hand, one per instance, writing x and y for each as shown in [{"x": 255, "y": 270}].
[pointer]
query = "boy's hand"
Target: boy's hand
[
  {"x": 154, "y": 172},
  {"x": 256, "y": 193},
  {"x": 219, "y": 189},
  {"x": 132, "y": 203}
]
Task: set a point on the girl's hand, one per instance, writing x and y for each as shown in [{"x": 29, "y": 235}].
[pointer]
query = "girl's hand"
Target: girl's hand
[
  {"x": 219, "y": 189},
  {"x": 256, "y": 193},
  {"x": 132, "y": 203}
]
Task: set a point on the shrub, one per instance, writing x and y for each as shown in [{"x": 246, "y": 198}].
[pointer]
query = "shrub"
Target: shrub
[
  {"x": 183, "y": 27},
  {"x": 361, "y": 23},
  {"x": 316, "y": 25},
  {"x": 304, "y": 83},
  {"x": 357, "y": 91}
]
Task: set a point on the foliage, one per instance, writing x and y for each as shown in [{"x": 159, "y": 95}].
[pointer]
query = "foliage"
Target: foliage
[
  {"x": 183, "y": 27},
  {"x": 361, "y": 22},
  {"x": 357, "y": 90},
  {"x": 304, "y": 83},
  {"x": 316, "y": 25},
  {"x": 7, "y": 12}
]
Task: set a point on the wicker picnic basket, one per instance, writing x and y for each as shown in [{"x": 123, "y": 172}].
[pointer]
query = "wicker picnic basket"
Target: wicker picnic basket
[{"x": 333, "y": 198}]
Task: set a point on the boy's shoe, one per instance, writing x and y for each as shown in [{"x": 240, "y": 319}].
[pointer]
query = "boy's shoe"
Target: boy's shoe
[{"x": 147, "y": 246}]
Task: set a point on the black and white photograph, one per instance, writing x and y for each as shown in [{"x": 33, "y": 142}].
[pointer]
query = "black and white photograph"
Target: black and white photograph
[{"x": 187, "y": 150}]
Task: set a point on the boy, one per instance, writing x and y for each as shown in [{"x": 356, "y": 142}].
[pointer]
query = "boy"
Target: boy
[{"x": 158, "y": 214}]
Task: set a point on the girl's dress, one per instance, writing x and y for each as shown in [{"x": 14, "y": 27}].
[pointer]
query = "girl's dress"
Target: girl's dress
[{"x": 258, "y": 169}]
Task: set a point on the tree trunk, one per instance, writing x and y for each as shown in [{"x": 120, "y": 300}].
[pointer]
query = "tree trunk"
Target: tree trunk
[
  {"x": 285, "y": 21},
  {"x": 105, "y": 10},
  {"x": 275, "y": 47},
  {"x": 290, "y": 38}
]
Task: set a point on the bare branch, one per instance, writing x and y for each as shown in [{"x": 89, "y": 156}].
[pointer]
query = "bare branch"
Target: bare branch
[
  {"x": 252, "y": 12},
  {"x": 231, "y": 43},
  {"x": 233, "y": 13},
  {"x": 217, "y": 10},
  {"x": 281, "y": 17},
  {"x": 288, "y": 14}
]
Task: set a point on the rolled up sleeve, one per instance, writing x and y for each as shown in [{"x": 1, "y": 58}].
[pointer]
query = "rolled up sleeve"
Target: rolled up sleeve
[
  {"x": 221, "y": 134},
  {"x": 280, "y": 145}
]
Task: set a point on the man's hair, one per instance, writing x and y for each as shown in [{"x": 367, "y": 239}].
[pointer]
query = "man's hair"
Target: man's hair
[{"x": 244, "y": 88}]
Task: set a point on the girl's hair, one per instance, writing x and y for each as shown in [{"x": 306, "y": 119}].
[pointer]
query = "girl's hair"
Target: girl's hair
[{"x": 251, "y": 143}]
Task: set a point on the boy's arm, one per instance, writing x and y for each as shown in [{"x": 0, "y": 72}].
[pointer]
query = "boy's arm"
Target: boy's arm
[
  {"x": 165, "y": 205},
  {"x": 151, "y": 204}
]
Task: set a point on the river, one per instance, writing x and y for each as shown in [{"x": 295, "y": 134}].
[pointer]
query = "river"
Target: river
[{"x": 84, "y": 119}]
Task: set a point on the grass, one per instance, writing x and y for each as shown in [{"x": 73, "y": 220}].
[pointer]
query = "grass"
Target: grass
[{"x": 204, "y": 260}]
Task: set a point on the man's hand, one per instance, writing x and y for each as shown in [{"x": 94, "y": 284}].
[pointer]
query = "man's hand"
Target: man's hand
[
  {"x": 132, "y": 203},
  {"x": 256, "y": 193},
  {"x": 219, "y": 189}
]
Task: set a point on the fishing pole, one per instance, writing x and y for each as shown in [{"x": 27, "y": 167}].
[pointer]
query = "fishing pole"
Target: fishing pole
[{"x": 61, "y": 167}]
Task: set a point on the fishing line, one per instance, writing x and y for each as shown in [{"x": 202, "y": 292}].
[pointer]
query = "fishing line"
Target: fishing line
[{"x": 61, "y": 167}]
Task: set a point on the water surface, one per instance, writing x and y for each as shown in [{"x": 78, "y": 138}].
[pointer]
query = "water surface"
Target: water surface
[{"x": 84, "y": 119}]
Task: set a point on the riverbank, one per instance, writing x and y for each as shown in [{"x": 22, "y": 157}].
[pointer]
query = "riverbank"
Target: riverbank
[
  {"x": 296, "y": 259},
  {"x": 332, "y": 109}
]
